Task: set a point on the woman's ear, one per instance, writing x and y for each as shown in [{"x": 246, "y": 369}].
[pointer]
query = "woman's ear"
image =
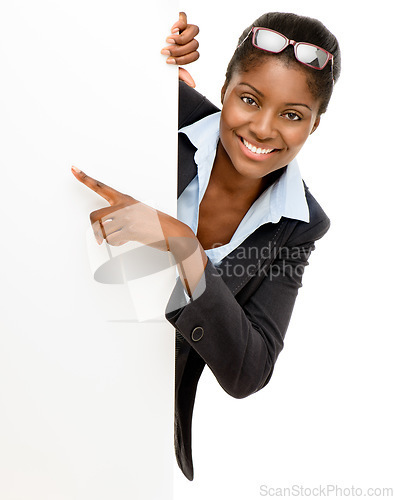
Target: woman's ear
[
  {"x": 224, "y": 88},
  {"x": 316, "y": 124}
]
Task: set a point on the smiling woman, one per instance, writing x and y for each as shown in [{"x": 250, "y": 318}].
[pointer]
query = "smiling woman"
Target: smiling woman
[
  {"x": 247, "y": 223},
  {"x": 242, "y": 194}
]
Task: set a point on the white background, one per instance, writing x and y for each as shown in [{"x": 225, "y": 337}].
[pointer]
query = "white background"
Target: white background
[
  {"x": 326, "y": 415},
  {"x": 86, "y": 396}
]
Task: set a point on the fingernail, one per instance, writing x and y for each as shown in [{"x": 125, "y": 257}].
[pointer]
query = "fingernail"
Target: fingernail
[
  {"x": 170, "y": 40},
  {"x": 170, "y": 60},
  {"x": 175, "y": 30},
  {"x": 166, "y": 52},
  {"x": 75, "y": 169}
]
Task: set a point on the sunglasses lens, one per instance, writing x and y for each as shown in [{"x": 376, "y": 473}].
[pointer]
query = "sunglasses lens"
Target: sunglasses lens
[
  {"x": 270, "y": 40},
  {"x": 311, "y": 55}
]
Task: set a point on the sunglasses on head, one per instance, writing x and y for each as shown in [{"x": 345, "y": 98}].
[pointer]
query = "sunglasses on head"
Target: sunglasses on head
[{"x": 306, "y": 53}]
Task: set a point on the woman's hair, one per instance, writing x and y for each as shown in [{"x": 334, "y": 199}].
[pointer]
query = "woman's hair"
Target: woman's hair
[{"x": 300, "y": 29}]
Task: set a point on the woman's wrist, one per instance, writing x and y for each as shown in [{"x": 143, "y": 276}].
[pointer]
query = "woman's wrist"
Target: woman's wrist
[{"x": 189, "y": 256}]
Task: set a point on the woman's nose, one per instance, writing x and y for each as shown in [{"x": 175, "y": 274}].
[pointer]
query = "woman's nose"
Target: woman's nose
[{"x": 264, "y": 125}]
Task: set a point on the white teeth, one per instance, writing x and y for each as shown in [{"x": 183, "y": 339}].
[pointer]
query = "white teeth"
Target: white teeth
[{"x": 256, "y": 150}]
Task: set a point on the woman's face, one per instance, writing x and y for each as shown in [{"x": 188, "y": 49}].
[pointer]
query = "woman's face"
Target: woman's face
[{"x": 268, "y": 113}]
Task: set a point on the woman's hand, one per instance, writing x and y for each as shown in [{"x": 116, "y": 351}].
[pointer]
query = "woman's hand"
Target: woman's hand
[
  {"x": 127, "y": 219},
  {"x": 183, "y": 48}
]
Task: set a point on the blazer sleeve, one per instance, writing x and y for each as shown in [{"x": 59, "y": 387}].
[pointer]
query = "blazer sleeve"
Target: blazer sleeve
[{"x": 241, "y": 344}]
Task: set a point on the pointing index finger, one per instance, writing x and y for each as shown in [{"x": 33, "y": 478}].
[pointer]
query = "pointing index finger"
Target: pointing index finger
[{"x": 106, "y": 192}]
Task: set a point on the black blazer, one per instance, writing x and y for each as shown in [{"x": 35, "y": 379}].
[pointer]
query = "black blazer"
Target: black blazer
[{"x": 237, "y": 325}]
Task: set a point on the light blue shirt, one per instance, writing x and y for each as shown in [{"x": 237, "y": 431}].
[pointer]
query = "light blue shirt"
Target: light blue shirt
[{"x": 284, "y": 198}]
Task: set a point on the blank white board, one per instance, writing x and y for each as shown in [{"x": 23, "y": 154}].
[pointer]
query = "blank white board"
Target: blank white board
[{"x": 86, "y": 386}]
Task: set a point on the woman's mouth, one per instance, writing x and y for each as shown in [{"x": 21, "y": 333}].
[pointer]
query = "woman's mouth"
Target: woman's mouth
[{"x": 256, "y": 152}]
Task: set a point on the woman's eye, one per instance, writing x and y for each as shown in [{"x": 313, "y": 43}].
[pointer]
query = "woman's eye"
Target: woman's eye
[
  {"x": 292, "y": 116},
  {"x": 249, "y": 100}
]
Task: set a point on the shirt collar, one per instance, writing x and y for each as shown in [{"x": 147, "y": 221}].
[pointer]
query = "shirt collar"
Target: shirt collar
[{"x": 284, "y": 198}]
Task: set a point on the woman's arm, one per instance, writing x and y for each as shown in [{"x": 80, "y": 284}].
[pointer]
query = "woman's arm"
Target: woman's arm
[
  {"x": 127, "y": 219},
  {"x": 241, "y": 344}
]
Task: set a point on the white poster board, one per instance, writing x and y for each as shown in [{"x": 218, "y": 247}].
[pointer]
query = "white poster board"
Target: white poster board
[{"x": 86, "y": 377}]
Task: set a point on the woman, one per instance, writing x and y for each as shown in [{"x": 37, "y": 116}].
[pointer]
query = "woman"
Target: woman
[{"x": 247, "y": 222}]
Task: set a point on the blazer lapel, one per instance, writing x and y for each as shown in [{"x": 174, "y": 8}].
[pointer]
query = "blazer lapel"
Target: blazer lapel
[{"x": 188, "y": 171}]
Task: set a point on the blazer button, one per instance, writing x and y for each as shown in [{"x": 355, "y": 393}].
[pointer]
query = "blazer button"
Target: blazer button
[{"x": 197, "y": 333}]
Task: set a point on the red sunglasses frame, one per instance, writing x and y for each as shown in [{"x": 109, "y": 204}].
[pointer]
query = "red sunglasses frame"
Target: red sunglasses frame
[{"x": 289, "y": 42}]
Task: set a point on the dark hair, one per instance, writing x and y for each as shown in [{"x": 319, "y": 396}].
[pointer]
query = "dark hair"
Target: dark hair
[{"x": 301, "y": 29}]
